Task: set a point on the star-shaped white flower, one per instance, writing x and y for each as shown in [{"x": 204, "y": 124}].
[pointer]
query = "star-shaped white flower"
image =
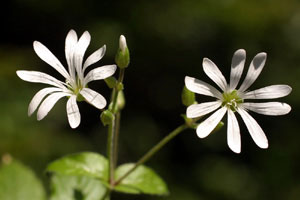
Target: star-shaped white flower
[
  {"x": 232, "y": 100},
  {"x": 75, "y": 85}
]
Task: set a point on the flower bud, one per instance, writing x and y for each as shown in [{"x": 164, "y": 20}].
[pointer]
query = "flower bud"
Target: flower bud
[
  {"x": 187, "y": 97},
  {"x": 122, "y": 57},
  {"x": 121, "y": 100},
  {"x": 107, "y": 117},
  {"x": 122, "y": 43}
]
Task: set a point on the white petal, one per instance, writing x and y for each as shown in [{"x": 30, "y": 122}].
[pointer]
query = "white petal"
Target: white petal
[
  {"x": 39, "y": 77},
  {"x": 93, "y": 98},
  {"x": 48, "y": 104},
  {"x": 81, "y": 47},
  {"x": 254, "y": 129},
  {"x": 122, "y": 43},
  {"x": 233, "y": 132},
  {"x": 237, "y": 66},
  {"x": 95, "y": 57},
  {"x": 39, "y": 96},
  {"x": 100, "y": 73},
  {"x": 45, "y": 54},
  {"x": 73, "y": 112},
  {"x": 255, "y": 68},
  {"x": 213, "y": 72},
  {"x": 71, "y": 41},
  {"x": 201, "y": 87},
  {"x": 198, "y": 110},
  {"x": 208, "y": 125},
  {"x": 269, "y": 92},
  {"x": 269, "y": 108}
]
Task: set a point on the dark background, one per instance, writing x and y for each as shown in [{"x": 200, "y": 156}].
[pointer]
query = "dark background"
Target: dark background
[{"x": 167, "y": 41}]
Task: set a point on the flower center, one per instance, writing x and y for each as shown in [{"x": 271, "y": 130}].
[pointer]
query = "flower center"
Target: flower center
[
  {"x": 231, "y": 100},
  {"x": 76, "y": 89}
]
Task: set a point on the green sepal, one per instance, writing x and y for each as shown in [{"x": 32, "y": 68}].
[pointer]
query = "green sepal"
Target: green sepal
[
  {"x": 119, "y": 86},
  {"x": 218, "y": 127},
  {"x": 81, "y": 164},
  {"x": 187, "y": 97},
  {"x": 189, "y": 121},
  {"x": 142, "y": 180},
  {"x": 107, "y": 117},
  {"x": 111, "y": 82},
  {"x": 122, "y": 58},
  {"x": 121, "y": 100}
]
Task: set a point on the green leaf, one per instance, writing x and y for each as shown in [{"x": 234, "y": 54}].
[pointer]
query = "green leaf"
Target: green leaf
[
  {"x": 141, "y": 180},
  {"x": 76, "y": 188},
  {"x": 18, "y": 182},
  {"x": 81, "y": 164}
]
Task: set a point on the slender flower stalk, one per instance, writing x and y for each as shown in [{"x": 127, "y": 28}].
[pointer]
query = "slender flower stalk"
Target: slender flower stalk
[
  {"x": 122, "y": 60},
  {"x": 76, "y": 82},
  {"x": 232, "y": 100},
  {"x": 153, "y": 151}
]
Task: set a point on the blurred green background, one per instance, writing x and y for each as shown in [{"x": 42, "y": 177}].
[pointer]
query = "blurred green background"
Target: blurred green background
[{"x": 168, "y": 40}]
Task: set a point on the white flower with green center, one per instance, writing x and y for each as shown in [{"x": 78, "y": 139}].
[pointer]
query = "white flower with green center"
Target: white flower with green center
[
  {"x": 75, "y": 85},
  {"x": 232, "y": 100}
]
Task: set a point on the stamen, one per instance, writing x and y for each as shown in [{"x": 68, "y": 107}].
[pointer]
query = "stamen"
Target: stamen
[{"x": 231, "y": 100}]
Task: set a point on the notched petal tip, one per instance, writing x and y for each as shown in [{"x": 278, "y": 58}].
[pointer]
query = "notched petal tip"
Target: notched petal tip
[
  {"x": 289, "y": 89},
  {"x": 206, "y": 60},
  {"x": 238, "y": 57},
  {"x": 264, "y": 145},
  {"x": 235, "y": 149},
  {"x": 71, "y": 31},
  {"x": 39, "y": 117},
  {"x": 73, "y": 126},
  {"x": 259, "y": 60},
  {"x": 200, "y": 134},
  {"x": 288, "y": 108},
  {"x": 86, "y": 35},
  {"x": 30, "y": 112},
  {"x": 19, "y": 73},
  {"x": 240, "y": 51}
]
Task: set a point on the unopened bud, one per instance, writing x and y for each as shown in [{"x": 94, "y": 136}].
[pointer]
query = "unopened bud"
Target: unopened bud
[
  {"x": 122, "y": 56},
  {"x": 121, "y": 100},
  {"x": 122, "y": 43},
  {"x": 107, "y": 117}
]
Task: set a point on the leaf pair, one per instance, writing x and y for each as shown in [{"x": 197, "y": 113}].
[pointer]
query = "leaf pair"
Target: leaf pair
[{"x": 86, "y": 165}]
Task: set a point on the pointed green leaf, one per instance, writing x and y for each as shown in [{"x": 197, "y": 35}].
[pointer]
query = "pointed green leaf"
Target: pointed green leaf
[
  {"x": 17, "y": 182},
  {"x": 141, "y": 180},
  {"x": 81, "y": 164},
  {"x": 76, "y": 188}
]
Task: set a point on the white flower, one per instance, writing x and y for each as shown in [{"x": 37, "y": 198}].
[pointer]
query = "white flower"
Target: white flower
[
  {"x": 75, "y": 85},
  {"x": 231, "y": 100}
]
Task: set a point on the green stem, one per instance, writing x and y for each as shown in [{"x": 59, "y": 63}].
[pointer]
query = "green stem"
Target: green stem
[
  {"x": 110, "y": 154},
  {"x": 116, "y": 137},
  {"x": 115, "y": 97},
  {"x": 111, "y": 131},
  {"x": 153, "y": 150}
]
